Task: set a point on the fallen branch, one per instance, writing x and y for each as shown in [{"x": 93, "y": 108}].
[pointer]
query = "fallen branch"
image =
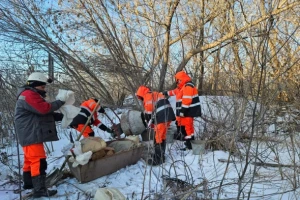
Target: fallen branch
[
  {"x": 272, "y": 165},
  {"x": 260, "y": 163}
]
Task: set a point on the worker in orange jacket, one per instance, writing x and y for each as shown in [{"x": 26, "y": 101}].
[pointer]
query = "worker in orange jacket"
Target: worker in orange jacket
[
  {"x": 86, "y": 108},
  {"x": 187, "y": 107},
  {"x": 157, "y": 111}
]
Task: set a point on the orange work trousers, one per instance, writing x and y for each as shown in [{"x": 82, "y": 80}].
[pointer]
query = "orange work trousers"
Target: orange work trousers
[
  {"x": 161, "y": 131},
  {"x": 35, "y": 159},
  {"x": 86, "y": 131},
  {"x": 188, "y": 123}
]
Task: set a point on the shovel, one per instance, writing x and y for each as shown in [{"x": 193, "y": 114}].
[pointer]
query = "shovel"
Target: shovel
[{"x": 57, "y": 174}]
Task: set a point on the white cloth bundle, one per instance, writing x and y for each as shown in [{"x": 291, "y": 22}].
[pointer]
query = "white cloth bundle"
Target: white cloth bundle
[
  {"x": 68, "y": 110},
  {"x": 81, "y": 158}
]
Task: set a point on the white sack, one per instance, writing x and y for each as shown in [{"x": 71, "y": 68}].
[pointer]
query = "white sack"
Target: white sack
[
  {"x": 93, "y": 144},
  {"x": 109, "y": 194}
]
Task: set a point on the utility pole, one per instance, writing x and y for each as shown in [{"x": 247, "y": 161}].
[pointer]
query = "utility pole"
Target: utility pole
[{"x": 51, "y": 75}]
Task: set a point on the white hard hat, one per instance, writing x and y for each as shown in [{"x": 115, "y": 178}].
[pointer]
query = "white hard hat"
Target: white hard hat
[{"x": 38, "y": 76}]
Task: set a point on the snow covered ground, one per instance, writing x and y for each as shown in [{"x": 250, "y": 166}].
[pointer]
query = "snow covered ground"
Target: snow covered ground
[{"x": 205, "y": 172}]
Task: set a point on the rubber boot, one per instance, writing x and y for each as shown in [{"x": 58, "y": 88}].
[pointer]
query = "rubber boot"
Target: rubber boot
[
  {"x": 163, "y": 146},
  {"x": 27, "y": 180},
  {"x": 158, "y": 156},
  {"x": 39, "y": 187},
  {"x": 188, "y": 144}
]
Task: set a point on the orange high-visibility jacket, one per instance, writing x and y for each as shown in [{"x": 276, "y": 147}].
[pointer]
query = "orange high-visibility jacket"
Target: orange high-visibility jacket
[
  {"x": 187, "y": 99},
  {"x": 156, "y": 106},
  {"x": 86, "y": 109}
]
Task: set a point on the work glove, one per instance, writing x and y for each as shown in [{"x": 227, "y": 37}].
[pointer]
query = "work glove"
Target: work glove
[
  {"x": 59, "y": 102},
  {"x": 91, "y": 134},
  {"x": 101, "y": 110},
  {"x": 57, "y": 116},
  {"x": 165, "y": 93}
]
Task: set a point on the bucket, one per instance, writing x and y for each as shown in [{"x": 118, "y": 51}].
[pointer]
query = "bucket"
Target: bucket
[
  {"x": 170, "y": 134},
  {"x": 131, "y": 122},
  {"x": 198, "y": 147}
]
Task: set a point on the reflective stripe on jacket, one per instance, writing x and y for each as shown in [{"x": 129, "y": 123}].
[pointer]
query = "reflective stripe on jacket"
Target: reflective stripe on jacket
[
  {"x": 34, "y": 117},
  {"x": 86, "y": 109},
  {"x": 156, "y": 104},
  {"x": 187, "y": 100}
]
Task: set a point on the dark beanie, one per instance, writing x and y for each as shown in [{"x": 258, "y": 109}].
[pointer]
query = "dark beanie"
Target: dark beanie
[{"x": 35, "y": 83}]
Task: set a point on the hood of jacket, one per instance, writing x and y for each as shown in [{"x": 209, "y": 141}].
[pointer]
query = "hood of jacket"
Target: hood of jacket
[
  {"x": 142, "y": 91},
  {"x": 183, "y": 78}
]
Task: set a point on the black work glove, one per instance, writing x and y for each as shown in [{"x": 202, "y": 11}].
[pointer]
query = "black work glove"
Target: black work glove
[
  {"x": 92, "y": 134},
  {"x": 101, "y": 110},
  {"x": 165, "y": 93},
  {"x": 58, "y": 116},
  {"x": 59, "y": 102}
]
